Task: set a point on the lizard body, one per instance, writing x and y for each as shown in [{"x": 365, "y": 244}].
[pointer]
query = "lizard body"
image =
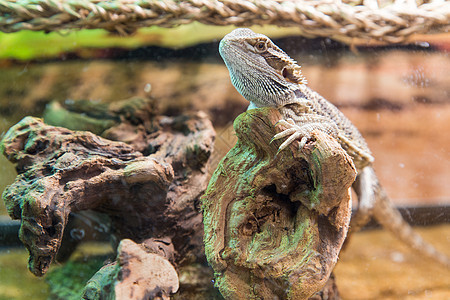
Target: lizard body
[{"x": 266, "y": 76}]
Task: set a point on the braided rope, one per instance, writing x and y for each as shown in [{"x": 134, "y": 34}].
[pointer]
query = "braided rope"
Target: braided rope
[{"x": 394, "y": 21}]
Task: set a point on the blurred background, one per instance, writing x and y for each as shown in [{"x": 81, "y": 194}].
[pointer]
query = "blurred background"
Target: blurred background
[{"x": 397, "y": 94}]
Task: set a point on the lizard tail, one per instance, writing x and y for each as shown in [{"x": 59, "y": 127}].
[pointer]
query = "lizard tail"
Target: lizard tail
[{"x": 390, "y": 218}]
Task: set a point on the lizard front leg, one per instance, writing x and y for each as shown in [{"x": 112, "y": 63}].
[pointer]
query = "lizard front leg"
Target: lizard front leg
[{"x": 301, "y": 128}]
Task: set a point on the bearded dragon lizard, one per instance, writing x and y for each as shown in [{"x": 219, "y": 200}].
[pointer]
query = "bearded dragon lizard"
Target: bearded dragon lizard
[{"x": 266, "y": 76}]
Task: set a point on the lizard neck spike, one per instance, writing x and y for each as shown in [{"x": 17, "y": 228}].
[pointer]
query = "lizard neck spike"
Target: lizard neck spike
[
  {"x": 293, "y": 73},
  {"x": 287, "y": 67}
]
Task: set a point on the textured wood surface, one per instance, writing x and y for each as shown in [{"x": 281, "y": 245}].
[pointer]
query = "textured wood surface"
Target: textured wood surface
[
  {"x": 139, "y": 272},
  {"x": 148, "y": 184},
  {"x": 275, "y": 223}
]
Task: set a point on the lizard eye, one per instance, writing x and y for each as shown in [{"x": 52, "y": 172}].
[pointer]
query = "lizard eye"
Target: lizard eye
[{"x": 261, "y": 46}]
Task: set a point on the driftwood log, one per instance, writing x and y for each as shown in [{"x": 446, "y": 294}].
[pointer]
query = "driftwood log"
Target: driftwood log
[
  {"x": 275, "y": 223},
  {"x": 148, "y": 182}
]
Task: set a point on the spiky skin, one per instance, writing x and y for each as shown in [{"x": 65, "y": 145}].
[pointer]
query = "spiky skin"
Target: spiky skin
[
  {"x": 266, "y": 76},
  {"x": 263, "y": 73}
]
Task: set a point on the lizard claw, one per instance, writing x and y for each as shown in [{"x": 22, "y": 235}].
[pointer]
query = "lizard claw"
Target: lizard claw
[
  {"x": 288, "y": 122},
  {"x": 294, "y": 132},
  {"x": 283, "y": 134}
]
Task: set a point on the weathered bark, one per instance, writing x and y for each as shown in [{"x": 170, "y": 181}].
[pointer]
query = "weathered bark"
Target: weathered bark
[
  {"x": 148, "y": 182},
  {"x": 139, "y": 272},
  {"x": 275, "y": 223}
]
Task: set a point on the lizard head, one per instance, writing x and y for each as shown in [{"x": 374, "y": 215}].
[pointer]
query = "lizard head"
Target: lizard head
[{"x": 263, "y": 73}]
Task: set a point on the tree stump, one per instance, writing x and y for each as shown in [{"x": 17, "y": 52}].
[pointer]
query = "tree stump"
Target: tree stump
[
  {"x": 275, "y": 223},
  {"x": 148, "y": 182}
]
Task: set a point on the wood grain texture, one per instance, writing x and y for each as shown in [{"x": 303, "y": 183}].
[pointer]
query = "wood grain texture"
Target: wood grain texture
[
  {"x": 275, "y": 223},
  {"x": 147, "y": 182}
]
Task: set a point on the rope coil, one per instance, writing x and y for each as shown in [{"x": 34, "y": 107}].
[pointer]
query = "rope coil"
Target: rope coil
[{"x": 384, "y": 20}]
